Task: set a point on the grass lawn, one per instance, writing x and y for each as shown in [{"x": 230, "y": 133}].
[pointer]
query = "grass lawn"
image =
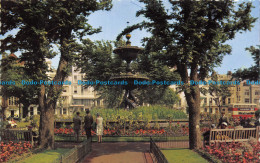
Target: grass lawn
[
  {"x": 183, "y": 156},
  {"x": 117, "y": 138},
  {"x": 45, "y": 156},
  {"x": 22, "y": 124}
]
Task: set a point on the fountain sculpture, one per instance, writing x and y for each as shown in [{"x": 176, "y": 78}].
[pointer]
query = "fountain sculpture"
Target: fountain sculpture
[{"x": 128, "y": 53}]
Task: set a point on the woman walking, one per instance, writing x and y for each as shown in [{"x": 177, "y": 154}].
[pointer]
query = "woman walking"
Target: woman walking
[{"x": 99, "y": 122}]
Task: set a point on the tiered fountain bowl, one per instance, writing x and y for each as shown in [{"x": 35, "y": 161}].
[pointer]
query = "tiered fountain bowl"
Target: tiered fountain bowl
[{"x": 128, "y": 53}]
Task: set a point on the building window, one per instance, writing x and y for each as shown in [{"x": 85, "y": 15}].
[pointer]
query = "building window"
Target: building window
[
  {"x": 210, "y": 110},
  {"x": 31, "y": 110},
  {"x": 247, "y": 92},
  {"x": 64, "y": 111},
  {"x": 75, "y": 90},
  {"x": 77, "y": 102},
  {"x": 229, "y": 100},
  {"x": 238, "y": 89},
  {"x": 210, "y": 100},
  {"x": 205, "y": 110},
  {"x": 257, "y": 92},
  {"x": 180, "y": 103},
  {"x": 205, "y": 100},
  {"x": 12, "y": 101},
  {"x": 238, "y": 98},
  {"x": 38, "y": 111},
  {"x": 246, "y": 100},
  {"x": 256, "y": 101},
  {"x": 82, "y": 90},
  {"x": 224, "y": 101}
]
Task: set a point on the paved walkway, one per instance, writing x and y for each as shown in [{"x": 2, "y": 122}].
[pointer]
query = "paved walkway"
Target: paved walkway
[{"x": 118, "y": 152}]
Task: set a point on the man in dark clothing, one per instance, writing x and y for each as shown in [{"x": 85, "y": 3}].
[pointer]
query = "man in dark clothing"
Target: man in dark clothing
[
  {"x": 222, "y": 119},
  {"x": 88, "y": 123},
  {"x": 77, "y": 125},
  {"x": 206, "y": 135}
]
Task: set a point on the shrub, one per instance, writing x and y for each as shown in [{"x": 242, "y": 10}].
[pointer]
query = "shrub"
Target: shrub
[{"x": 36, "y": 121}]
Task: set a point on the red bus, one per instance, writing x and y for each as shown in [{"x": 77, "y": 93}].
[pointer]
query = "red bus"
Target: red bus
[{"x": 242, "y": 110}]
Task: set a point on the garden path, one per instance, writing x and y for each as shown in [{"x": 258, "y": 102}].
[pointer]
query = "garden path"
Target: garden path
[{"x": 119, "y": 152}]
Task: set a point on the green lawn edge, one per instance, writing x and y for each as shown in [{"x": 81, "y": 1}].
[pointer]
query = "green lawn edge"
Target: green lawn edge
[
  {"x": 182, "y": 155},
  {"x": 45, "y": 156}
]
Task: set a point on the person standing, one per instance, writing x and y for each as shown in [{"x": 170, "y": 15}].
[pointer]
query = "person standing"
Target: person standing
[
  {"x": 77, "y": 125},
  {"x": 99, "y": 122},
  {"x": 88, "y": 121}
]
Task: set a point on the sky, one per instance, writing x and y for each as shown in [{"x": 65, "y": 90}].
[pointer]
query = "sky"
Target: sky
[{"x": 123, "y": 11}]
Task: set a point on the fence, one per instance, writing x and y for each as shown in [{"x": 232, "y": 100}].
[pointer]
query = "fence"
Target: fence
[
  {"x": 16, "y": 135},
  {"x": 154, "y": 149},
  {"x": 76, "y": 154},
  {"x": 172, "y": 142},
  {"x": 233, "y": 135}
]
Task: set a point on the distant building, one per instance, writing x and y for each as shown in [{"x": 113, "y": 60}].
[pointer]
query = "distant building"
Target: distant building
[
  {"x": 9, "y": 104},
  {"x": 74, "y": 97},
  {"x": 240, "y": 94}
]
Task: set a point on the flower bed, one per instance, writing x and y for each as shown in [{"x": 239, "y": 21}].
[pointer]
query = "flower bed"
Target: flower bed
[
  {"x": 11, "y": 150},
  {"x": 121, "y": 132},
  {"x": 236, "y": 152},
  {"x": 173, "y": 131}
]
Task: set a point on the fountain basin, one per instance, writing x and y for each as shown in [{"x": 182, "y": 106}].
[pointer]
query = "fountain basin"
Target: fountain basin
[{"x": 128, "y": 53}]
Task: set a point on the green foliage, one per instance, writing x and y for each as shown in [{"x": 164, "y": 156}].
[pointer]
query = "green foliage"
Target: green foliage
[
  {"x": 251, "y": 73},
  {"x": 40, "y": 26},
  {"x": 13, "y": 70},
  {"x": 257, "y": 113},
  {"x": 199, "y": 30},
  {"x": 22, "y": 124},
  {"x": 36, "y": 121},
  {"x": 141, "y": 113},
  {"x": 192, "y": 36}
]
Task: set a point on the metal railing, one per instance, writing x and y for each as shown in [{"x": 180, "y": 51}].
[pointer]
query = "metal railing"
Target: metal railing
[
  {"x": 76, "y": 154},
  {"x": 154, "y": 149},
  {"x": 16, "y": 135}
]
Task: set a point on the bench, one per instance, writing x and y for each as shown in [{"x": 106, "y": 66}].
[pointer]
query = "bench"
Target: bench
[
  {"x": 15, "y": 135},
  {"x": 233, "y": 135}
]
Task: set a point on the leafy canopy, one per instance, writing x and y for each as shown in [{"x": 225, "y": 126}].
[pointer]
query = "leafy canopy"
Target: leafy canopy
[{"x": 251, "y": 73}]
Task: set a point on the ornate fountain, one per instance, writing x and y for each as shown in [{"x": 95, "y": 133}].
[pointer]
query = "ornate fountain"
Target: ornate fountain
[{"x": 128, "y": 53}]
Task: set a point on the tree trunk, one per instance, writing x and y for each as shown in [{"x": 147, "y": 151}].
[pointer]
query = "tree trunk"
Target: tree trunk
[
  {"x": 4, "y": 106},
  {"x": 192, "y": 94},
  {"x": 47, "y": 128},
  {"x": 47, "y": 105},
  {"x": 194, "y": 120}
]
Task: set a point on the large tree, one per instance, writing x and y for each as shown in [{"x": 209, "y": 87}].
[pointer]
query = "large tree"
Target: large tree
[
  {"x": 253, "y": 72},
  {"x": 40, "y": 25},
  {"x": 193, "y": 33}
]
